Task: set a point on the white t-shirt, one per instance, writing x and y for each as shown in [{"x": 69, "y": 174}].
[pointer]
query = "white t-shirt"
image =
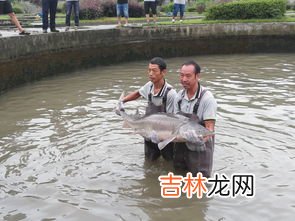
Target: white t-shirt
[{"x": 182, "y": 2}]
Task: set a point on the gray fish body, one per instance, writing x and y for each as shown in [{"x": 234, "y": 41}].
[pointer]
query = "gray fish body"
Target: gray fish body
[
  {"x": 159, "y": 121},
  {"x": 163, "y": 128}
]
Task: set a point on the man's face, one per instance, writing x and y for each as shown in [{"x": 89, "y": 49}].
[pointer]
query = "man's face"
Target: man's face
[
  {"x": 188, "y": 78},
  {"x": 155, "y": 74}
]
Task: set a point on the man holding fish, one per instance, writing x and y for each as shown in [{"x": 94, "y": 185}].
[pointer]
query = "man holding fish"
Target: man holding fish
[
  {"x": 160, "y": 96},
  {"x": 197, "y": 102},
  {"x": 187, "y": 136}
]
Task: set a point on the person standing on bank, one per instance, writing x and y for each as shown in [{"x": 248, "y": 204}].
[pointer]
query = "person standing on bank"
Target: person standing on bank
[
  {"x": 150, "y": 5},
  {"x": 179, "y": 6},
  {"x": 160, "y": 96},
  {"x": 6, "y": 8},
  {"x": 49, "y": 6},
  {"x": 72, "y": 4},
  {"x": 122, "y": 10},
  {"x": 194, "y": 99}
]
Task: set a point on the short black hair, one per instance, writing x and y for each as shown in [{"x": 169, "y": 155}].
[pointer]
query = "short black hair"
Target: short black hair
[
  {"x": 193, "y": 63},
  {"x": 160, "y": 62}
]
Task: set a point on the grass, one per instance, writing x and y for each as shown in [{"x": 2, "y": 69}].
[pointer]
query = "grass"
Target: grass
[
  {"x": 165, "y": 20},
  {"x": 203, "y": 21}
]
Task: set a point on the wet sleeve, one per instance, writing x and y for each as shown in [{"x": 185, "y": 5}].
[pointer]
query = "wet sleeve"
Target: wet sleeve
[
  {"x": 170, "y": 101},
  {"x": 210, "y": 109},
  {"x": 144, "y": 90},
  {"x": 175, "y": 104}
]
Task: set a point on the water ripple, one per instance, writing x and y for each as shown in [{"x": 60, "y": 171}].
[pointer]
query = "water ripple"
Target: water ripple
[{"x": 64, "y": 154}]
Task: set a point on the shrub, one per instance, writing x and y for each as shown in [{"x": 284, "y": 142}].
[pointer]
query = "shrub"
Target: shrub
[
  {"x": 291, "y": 6},
  {"x": 17, "y": 10},
  {"x": 136, "y": 9},
  {"x": 191, "y": 8},
  {"x": 24, "y": 7},
  {"x": 200, "y": 7},
  {"x": 247, "y": 9},
  {"x": 160, "y": 2},
  {"x": 109, "y": 8},
  {"x": 36, "y": 2},
  {"x": 167, "y": 8},
  {"x": 90, "y": 9},
  {"x": 222, "y": 1},
  {"x": 61, "y": 7}
]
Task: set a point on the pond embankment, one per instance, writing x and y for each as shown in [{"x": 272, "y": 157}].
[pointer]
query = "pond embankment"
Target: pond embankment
[{"x": 23, "y": 59}]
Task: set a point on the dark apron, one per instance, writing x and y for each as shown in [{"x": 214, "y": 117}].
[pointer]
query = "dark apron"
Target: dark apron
[
  {"x": 194, "y": 161},
  {"x": 151, "y": 149}
]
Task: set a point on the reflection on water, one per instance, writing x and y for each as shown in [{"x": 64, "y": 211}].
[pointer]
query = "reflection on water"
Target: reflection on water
[{"x": 65, "y": 156}]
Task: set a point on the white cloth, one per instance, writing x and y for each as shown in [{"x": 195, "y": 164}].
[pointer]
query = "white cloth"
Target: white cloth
[{"x": 182, "y": 2}]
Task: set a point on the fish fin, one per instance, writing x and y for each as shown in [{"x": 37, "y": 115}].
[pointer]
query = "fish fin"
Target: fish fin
[
  {"x": 154, "y": 137},
  {"x": 164, "y": 143},
  {"x": 122, "y": 96}
]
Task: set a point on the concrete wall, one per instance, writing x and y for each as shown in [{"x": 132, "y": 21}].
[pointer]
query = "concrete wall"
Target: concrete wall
[{"x": 23, "y": 59}]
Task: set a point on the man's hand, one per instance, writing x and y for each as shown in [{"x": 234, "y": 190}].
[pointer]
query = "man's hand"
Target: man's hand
[{"x": 120, "y": 107}]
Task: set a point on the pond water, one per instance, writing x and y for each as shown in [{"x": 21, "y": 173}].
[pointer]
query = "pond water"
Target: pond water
[{"x": 65, "y": 156}]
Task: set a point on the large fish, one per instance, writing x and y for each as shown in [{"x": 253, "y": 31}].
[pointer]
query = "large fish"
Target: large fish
[{"x": 163, "y": 128}]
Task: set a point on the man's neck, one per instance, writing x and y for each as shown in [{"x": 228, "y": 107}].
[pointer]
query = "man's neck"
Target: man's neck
[
  {"x": 192, "y": 91},
  {"x": 158, "y": 85}
]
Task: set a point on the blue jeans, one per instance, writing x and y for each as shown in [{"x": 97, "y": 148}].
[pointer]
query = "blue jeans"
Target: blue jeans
[
  {"x": 48, "y": 5},
  {"x": 69, "y": 6},
  {"x": 178, "y": 8},
  {"x": 122, "y": 10}
]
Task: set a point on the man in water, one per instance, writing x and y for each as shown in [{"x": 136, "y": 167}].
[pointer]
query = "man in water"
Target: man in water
[
  {"x": 198, "y": 102},
  {"x": 160, "y": 96}
]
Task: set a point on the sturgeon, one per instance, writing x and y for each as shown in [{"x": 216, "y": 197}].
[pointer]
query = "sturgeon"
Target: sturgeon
[{"x": 163, "y": 128}]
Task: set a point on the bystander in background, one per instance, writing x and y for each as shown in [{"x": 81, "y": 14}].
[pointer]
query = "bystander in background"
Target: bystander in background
[
  {"x": 179, "y": 6},
  {"x": 122, "y": 11},
  {"x": 49, "y": 6},
  {"x": 150, "y": 5},
  {"x": 6, "y": 8},
  {"x": 72, "y": 4}
]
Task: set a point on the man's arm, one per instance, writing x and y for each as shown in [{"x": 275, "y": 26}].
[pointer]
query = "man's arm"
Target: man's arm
[
  {"x": 210, "y": 124},
  {"x": 170, "y": 101},
  {"x": 132, "y": 96}
]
